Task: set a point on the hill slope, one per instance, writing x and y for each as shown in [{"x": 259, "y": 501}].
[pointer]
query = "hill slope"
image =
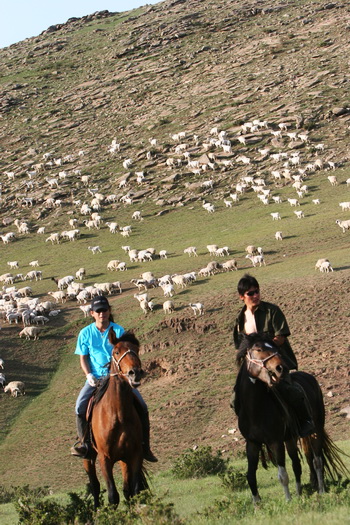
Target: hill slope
[{"x": 149, "y": 74}]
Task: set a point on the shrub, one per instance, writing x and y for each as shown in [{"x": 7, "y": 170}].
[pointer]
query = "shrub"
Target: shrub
[
  {"x": 234, "y": 479},
  {"x": 8, "y": 495},
  {"x": 199, "y": 463}
]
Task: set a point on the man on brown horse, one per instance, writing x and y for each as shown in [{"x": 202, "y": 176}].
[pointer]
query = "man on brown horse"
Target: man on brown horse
[
  {"x": 95, "y": 351},
  {"x": 258, "y": 316}
]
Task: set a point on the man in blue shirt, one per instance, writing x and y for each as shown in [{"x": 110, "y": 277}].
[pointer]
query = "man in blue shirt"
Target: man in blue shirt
[{"x": 95, "y": 352}]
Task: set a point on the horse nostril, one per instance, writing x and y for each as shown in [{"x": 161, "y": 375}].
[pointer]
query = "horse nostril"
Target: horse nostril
[{"x": 131, "y": 372}]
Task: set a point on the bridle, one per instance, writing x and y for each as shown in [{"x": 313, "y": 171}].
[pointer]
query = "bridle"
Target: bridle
[
  {"x": 259, "y": 362},
  {"x": 117, "y": 362}
]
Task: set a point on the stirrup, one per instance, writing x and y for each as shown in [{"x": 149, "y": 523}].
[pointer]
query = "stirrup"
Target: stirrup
[{"x": 80, "y": 450}]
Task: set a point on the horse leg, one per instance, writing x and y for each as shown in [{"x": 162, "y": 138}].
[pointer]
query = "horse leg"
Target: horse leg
[
  {"x": 280, "y": 455},
  {"x": 107, "y": 471},
  {"x": 292, "y": 449},
  {"x": 252, "y": 450},
  {"x": 90, "y": 468},
  {"x": 313, "y": 451},
  {"x": 133, "y": 481}
]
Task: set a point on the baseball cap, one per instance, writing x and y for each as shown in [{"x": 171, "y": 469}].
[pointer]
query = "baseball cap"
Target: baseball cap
[{"x": 99, "y": 303}]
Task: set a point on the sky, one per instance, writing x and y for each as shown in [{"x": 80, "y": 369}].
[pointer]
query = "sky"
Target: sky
[{"x": 20, "y": 19}]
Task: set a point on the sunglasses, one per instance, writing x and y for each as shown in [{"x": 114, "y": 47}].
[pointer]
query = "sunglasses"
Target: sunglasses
[{"x": 253, "y": 292}]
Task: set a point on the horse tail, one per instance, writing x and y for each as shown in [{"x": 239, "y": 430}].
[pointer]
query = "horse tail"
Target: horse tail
[
  {"x": 331, "y": 455},
  {"x": 266, "y": 451}
]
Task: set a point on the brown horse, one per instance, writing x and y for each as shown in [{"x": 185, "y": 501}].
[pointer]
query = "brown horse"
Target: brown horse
[
  {"x": 265, "y": 419},
  {"x": 115, "y": 425}
]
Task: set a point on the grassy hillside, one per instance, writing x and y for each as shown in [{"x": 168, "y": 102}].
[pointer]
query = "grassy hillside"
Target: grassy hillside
[{"x": 149, "y": 73}]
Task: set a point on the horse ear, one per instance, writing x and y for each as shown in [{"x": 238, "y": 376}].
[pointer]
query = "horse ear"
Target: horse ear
[{"x": 112, "y": 337}]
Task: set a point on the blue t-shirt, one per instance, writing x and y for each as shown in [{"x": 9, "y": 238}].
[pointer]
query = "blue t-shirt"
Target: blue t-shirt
[{"x": 96, "y": 345}]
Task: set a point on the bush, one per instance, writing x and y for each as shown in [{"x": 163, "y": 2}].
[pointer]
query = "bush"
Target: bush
[
  {"x": 199, "y": 463},
  {"x": 234, "y": 479},
  {"x": 8, "y": 495}
]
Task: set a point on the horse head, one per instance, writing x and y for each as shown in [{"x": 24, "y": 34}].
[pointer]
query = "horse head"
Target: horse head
[
  {"x": 262, "y": 359},
  {"x": 125, "y": 360}
]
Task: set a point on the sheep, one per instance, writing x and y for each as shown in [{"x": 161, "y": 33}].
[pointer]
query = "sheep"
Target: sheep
[
  {"x": 1, "y": 363},
  {"x": 41, "y": 230},
  {"x": 144, "y": 255},
  {"x": 197, "y": 308},
  {"x": 179, "y": 280},
  {"x": 80, "y": 274},
  {"x": 293, "y": 202},
  {"x": 39, "y": 319},
  {"x": 146, "y": 306},
  {"x": 2, "y": 380},
  {"x": 54, "y": 238},
  {"x": 26, "y": 291},
  {"x": 256, "y": 259},
  {"x": 251, "y": 250},
  {"x": 63, "y": 282},
  {"x": 229, "y": 265},
  {"x": 163, "y": 254},
  {"x": 213, "y": 266},
  {"x": 299, "y": 214},
  {"x": 277, "y": 199},
  {"x": 344, "y": 206},
  {"x": 113, "y": 226},
  {"x": 212, "y": 248},
  {"x": 85, "y": 308},
  {"x": 112, "y": 265},
  {"x": 316, "y": 201},
  {"x": 8, "y": 237},
  {"x": 319, "y": 263},
  {"x": 30, "y": 331},
  {"x": 209, "y": 207},
  {"x": 278, "y": 236},
  {"x": 333, "y": 180},
  {"x": 344, "y": 225},
  {"x": 192, "y": 251},
  {"x": 168, "y": 290},
  {"x": 275, "y": 216},
  {"x": 33, "y": 274},
  {"x": 15, "y": 388},
  {"x": 228, "y": 204},
  {"x": 326, "y": 267},
  {"x": 34, "y": 264},
  {"x": 133, "y": 255},
  {"x": 121, "y": 267},
  {"x": 13, "y": 264},
  {"x": 95, "y": 249},
  {"x": 168, "y": 307},
  {"x": 60, "y": 295}
]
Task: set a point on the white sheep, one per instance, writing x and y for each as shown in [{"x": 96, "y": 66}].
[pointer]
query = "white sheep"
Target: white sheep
[
  {"x": 15, "y": 388},
  {"x": 256, "y": 259},
  {"x": 212, "y": 248},
  {"x": 319, "y": 263},
  {"x": 163, "y": 254},
  {"x": 112, "y": 265},
  {"x": 168, "y": 290},
  {"x": 293, "y": 202},
  {"x": 197, "y": 308},
  {"x": 168, "y": 307},
  {"x": 344, "y": 206},
  {"x": 13, "y": 264},
  {"x": 192, "y": 251},
  {"x": 326, "y": 267},
  {"x": 34, "y": 263},
  {"x": 229, "y": 265},
  {"x": 278, "y": 236},
  {"x": 80, "y": 274},
  {"x": 95, "y": 249},
  {"x": 33, "y": 274},
  {"x": 137, "y": 216},
  {"x": 85, "y": 308},
  {"x": 344, "y": 225},
  {"x": 299, "y": 214},
  {"x": 316, "y": 201},
  {"x": 60, "y": 295},
  {"x": 332, "y": 179},
  {"x": 1, "y": 363},
  {"x": 30, "y": 331},
  {"x": 275, "y": 216}
]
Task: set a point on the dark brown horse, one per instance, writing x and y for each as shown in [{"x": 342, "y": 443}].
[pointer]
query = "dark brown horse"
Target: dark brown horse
[
  {"x": 115, "y": 425},
  {"x": 265, "y": 419}
]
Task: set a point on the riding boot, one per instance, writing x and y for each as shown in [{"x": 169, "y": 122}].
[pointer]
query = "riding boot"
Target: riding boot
[
  {"x": 144, "y": 417},
  {"x": 82, "y": 447}
]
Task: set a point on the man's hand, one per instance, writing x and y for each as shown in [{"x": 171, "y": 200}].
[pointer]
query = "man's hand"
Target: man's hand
[{"x": 91, "y": 379}]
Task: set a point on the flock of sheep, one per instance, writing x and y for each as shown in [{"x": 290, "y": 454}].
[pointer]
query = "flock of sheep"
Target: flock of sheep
[{"x": 218, "y": 156}]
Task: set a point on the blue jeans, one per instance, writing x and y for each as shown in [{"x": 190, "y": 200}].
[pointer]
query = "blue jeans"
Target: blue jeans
[{"x": 87, "y": 391}]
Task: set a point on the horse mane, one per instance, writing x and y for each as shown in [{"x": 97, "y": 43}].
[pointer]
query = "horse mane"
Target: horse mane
[
  {"x": 256, "y": 339},
  {"x": 128, "y": 337}
]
